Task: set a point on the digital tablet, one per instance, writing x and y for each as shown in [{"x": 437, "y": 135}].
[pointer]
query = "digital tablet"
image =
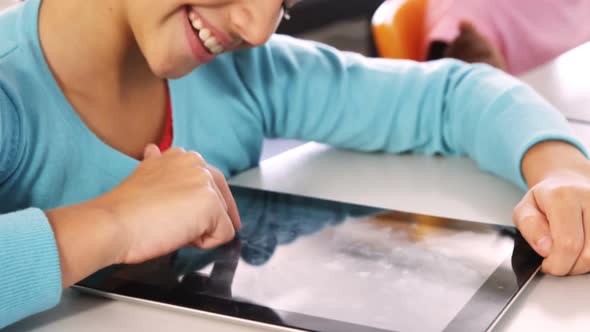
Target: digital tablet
[{"x": 326, "y": 266}]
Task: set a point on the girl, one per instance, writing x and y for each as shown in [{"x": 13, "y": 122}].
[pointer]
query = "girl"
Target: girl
[
  {"x": 93, "y": 94},
  {"x": 515, "y": 36}
]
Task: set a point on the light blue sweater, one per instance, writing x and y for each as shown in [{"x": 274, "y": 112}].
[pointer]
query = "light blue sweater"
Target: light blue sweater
[{"x": 287, "y": 88}]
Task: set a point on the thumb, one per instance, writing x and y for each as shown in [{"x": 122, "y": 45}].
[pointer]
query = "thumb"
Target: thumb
[
  {"x": 533, "y": 225},
  {"x": 151, "y": 151}
]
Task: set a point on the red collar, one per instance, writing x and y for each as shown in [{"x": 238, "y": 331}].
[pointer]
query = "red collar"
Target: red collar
[{"x": 168, "y": 134}]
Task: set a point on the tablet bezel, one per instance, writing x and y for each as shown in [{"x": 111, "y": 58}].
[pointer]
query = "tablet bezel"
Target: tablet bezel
[{"x": 503, "y": 285}]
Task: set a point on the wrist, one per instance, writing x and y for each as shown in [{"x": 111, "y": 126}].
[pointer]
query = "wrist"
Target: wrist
[
  {"x": 551, "y": 158},
  {"x": 87, "y": 237},
  {"x": 109, "y": 218}
]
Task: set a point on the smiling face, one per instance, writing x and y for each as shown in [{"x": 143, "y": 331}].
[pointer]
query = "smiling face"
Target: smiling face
[{"x": 176, "y": 36}]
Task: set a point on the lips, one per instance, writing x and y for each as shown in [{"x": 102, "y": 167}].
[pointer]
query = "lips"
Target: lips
[
  {"x": 205, "y": 40},
  {"x": 198, "y": 49}
]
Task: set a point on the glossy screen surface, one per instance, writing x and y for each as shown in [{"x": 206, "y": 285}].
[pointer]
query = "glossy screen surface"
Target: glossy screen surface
[{"x": 328, "y": 266}]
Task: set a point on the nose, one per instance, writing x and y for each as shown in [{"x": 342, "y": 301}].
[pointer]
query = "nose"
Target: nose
[{"x": 252, "y": 27}]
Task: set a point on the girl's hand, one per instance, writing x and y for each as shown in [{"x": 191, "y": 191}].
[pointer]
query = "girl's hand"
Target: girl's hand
[
  {"x": 554, "y": 216},
  {"x": 171, "y": 200}
]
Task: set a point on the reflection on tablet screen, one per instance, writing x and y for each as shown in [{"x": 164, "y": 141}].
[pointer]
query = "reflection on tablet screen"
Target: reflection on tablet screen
[{"x": 328, "y": 266}]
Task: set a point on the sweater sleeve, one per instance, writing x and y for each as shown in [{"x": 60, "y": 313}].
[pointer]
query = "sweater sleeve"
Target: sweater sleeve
[
  {"x": 30, "y": 275},
  {"x": 309, "y": 91}
]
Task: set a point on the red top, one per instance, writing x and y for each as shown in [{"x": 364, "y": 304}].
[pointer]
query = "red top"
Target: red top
[{"x": 168, "y": 134}]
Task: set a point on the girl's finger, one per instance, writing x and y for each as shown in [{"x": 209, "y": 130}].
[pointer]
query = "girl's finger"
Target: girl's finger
[
  {"x": 533, "y": 225},
  {"x": 232, "y": 207},
  {"x": 151, "y": 151},
  {"x": 564, "y": 214},
  {"x": 582, "y": 266}
]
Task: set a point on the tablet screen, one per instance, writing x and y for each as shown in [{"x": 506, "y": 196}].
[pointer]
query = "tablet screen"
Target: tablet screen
[{"x": 327, "y": 266}]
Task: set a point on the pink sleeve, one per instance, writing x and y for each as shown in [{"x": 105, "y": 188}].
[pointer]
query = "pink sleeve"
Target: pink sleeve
[
  {"x": 442, "y": 21},
  {"x": 443, "y": 18},
  {"x": 445, "y": 30}
]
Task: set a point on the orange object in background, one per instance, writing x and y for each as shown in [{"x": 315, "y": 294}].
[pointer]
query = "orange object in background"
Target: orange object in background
[{"x": 399, "y": 29}]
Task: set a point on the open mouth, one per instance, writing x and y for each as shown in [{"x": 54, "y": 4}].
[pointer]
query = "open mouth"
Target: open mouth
[{"x": 210, "y": 43}]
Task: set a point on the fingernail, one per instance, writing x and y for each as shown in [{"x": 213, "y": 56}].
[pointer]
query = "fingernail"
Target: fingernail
[{"x": 544, "y": 244}]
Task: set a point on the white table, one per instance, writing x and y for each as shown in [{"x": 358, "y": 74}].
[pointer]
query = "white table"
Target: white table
[
  {"x": 444, "y": 187},
  {"x": 564, "y": 82}
]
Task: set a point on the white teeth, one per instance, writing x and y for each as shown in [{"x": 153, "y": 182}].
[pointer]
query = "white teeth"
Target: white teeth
[
  {"x": 197, "y": 24},
  {"x": 204, "y": 34},
  {"x": 211, "y": 43}
]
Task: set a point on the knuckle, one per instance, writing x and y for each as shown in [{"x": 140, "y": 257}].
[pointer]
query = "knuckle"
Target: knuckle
[
  {"x": 584, "y": 259},
  {"x": 570, "y": 246},
  {"x": 206, "y": 177},
  {"x": 197, "y": 157},
  {"x": 207, "y": 173},
  {"x": 216, "y": 173},
  {"x": 578, "y": 271},
  {"x": 554, "y": 270},
  {"x": 210, "y": 195},
  {"x": 198, "y": 178},
  {"x": 175, "y": 150},
  {"x": 204, "y": 172},
  {"x": 520, "y": 210},
  {"x": 230, "y": 234},
  {"x": 564, "y": 193},
  {"x": 516, "y": 216},
  {"x": 201, "y": 244},
  {"x": 524, "y": 221},
  {"x": 198, "y": 242},
  {"x": 204, "y": 195}
]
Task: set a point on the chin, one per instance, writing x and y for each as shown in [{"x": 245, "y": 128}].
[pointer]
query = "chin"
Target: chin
[
  {"x": 171, "y": 68},
  {"x": 174, "y": 73}
]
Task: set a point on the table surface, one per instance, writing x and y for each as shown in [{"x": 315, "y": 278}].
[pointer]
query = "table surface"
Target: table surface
[{"x": 449, "y": 187}]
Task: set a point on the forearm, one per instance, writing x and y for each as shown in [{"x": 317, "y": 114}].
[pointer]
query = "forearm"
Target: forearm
[
  {"x": 551, "y": 158},
  {"x": 88, "y": 239},
  {"x": 443, "y": 107}
]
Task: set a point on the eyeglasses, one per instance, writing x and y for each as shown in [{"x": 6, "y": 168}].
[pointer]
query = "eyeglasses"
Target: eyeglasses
[{"x": 287, "y": 6}]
